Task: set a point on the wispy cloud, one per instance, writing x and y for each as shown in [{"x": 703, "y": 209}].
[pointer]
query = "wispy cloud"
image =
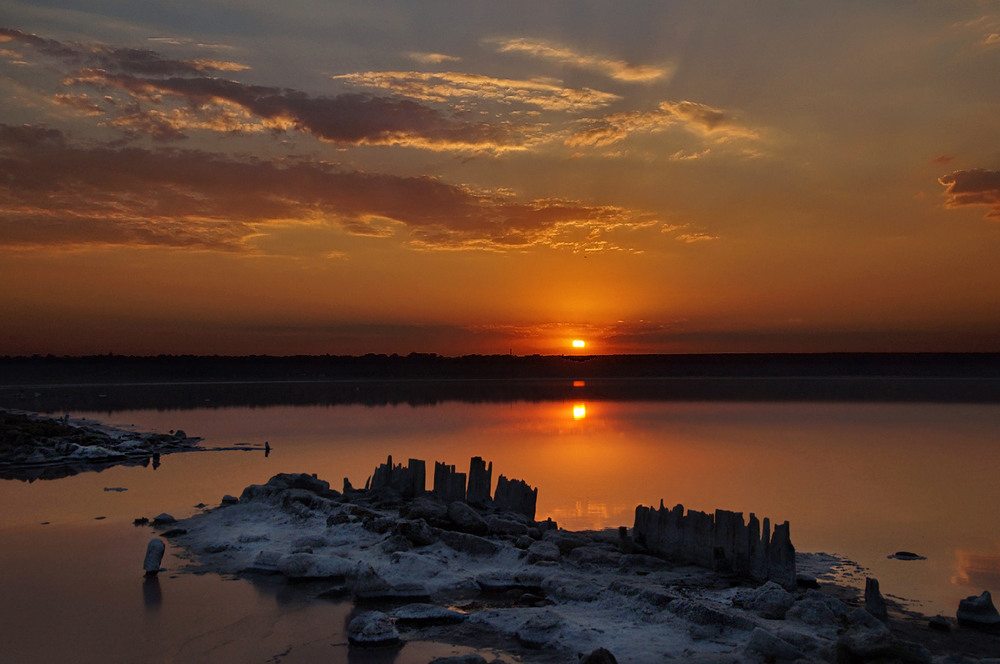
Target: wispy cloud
[
  {"x": 55, "y": 193},
  {"x": 693, "y": 116},
  {"x": 975, "y": 187},
  {"x": 444, "y": 86},
  {"x": 567, "y": 56},
  {"x": 433, "y": 58}
]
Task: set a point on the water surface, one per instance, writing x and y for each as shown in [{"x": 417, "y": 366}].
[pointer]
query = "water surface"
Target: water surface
[{"x": 860, "y": 480}]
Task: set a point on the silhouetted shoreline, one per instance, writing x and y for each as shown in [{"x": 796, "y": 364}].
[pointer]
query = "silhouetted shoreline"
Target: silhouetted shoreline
[{"x": 114, "y": 382}]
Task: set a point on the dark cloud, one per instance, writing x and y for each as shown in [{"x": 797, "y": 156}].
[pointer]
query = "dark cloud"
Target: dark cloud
[
  {"x": 55, "y": 193},
  {"x": 973, "y": 187},
  {"x": 349, "y": 118},
  {"x": 142, "y": 62}
]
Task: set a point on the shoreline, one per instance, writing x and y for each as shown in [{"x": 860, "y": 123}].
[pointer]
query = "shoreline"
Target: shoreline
[{"x": 35, "y": 446}]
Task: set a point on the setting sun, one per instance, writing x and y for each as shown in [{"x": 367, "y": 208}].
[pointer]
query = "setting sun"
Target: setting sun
[{"x": 578, "y": 343}]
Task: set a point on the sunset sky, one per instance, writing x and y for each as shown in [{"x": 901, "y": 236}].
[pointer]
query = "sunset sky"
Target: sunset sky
[{"x": 315, "y": 176}]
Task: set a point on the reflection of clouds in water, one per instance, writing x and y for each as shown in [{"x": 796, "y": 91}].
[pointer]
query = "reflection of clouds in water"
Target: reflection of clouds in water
[
  {"x": 585, "y": 514},
  {"x": 977, "y": 569}
]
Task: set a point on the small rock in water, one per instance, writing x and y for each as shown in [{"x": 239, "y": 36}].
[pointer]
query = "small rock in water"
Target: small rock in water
[
  {"x": 119, "y": 489},
  {"x": 154, "y": 556},
  {"x": 373, "y": 629},
  {"x": 906, "y": 555},
  {"x": 230, "y": 500},
  {"x": 163, "y": 519},
  {"x": 979, "y": 612},
  {"x": 140, "y": 521}
]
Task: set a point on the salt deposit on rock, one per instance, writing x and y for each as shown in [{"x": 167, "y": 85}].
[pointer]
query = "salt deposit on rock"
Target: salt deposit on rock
[
  {"x": 978, "y": 611},
  {"x": 565, "y": 594}
]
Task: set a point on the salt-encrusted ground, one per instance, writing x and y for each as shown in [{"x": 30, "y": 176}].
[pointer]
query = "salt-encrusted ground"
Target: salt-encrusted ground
[{"x": 555, "y": 594}]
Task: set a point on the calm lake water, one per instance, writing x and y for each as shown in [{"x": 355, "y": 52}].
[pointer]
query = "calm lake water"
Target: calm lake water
[{"x": 861, "y": 480}]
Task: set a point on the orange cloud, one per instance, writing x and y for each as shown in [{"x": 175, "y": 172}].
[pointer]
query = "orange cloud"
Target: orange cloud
[
  {"x": 973, "y": 187},
  {"x": 616, "y": 69},
  {"x": 440, "y": 87},
  {"x": 693, "y": 116},
  {"x": 54, "y": 193}
]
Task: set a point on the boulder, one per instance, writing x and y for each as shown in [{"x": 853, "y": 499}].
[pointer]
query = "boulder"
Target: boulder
[
  {"x": 417, "y": 532},
  {"x": 539, "y": 630},
  {"x": 427, "y": 508},
  {"x": 154, "y": 556},
  {"x": 500, "y": 526},
  {"x": 707, "y": 614},
  {"x": 979, "y": 612},
  {"x": 467, "y": 519},
  {"x": 815, "y": 608},
  {"x": 599, "y": 656},
  {"x": 768, "y": 601},
  {"x": 542, "y": 551},
  {"x": 163, "y": 519},
  {"x": 471, "y": 544},
  {"x": 373, "y": 629}
]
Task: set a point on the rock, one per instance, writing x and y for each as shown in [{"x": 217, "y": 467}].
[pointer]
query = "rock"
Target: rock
[
  {"x": 906, "y": 555},
  {"x": 566, "y": 541},
  {"x": 427, "y": 508},
  {"x": 874, "y": 602},
  {"x": 180, "y": 435},
  {"x": 477, "y": 546},
  {"x": 815, "y": 608},
  {"x": 266, "y": 562},
  {"x": 542, "y": 551},
  {"x": 979, "y": 612},
  {"x": 468, "y": 658},
  {"x": 539, "y": 630},
  {"x": 310, "y": 567},
  {"x": 803, "y": 580},
  {"x": 570, "y": 588},
  {"x": 768, "y": 601},
  {"x": 163, "y": 519},
  {"x": 449, "y": 486},
  {"x": 771, "y": 647},
  {"x": 500, "y": 526},
  {"x": 480, "y": 481},
  {"x": 595, "y": 555},
  {"x": 515, "y": 496},
  {"x": 154, "y": 556},
  {"x": 373, "y": 629},
  {"x": 423, "y": 615},
  {"x": 140, "y": 521},
  {"x": 939, "y": 623},
  {"x": 703, "y": 613},
  {"x": 599, "y": 656},
  {"x": 640, "y": 563},
  {"x": 229, "y": 500},
  {"x": 416, "y": 532},
  {"x": 467, "y": 519}
]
